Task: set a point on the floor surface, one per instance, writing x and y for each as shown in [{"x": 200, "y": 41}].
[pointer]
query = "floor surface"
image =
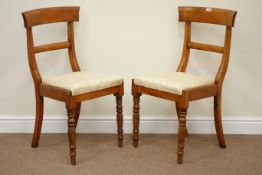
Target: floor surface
[{"x": 98, "y": 154}]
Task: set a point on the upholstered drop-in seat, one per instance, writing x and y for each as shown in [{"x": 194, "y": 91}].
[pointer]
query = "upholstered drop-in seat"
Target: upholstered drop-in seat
[
  {"x": 83, "y": 82},
  {"x": 174, "y": 82}
]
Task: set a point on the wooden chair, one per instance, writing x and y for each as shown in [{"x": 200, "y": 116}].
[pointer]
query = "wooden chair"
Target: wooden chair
[
  {"x": 181, "y": 87},
  {"x": 72, "y": 88}
]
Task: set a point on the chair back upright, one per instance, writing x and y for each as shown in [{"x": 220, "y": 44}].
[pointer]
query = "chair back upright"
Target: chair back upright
[
  {"x": 46, "y": 16},
  {"x": 210, "y": 16}
]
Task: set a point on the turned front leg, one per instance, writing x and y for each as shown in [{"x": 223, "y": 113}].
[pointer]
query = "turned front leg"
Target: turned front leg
[
  {"x": 136, "y": 120},
  {"x": 72, "y": 113},
  {"x": 177, "y": 111},
  {"x": 119, "y": 118},
  {"x": 181, "y": 134}
]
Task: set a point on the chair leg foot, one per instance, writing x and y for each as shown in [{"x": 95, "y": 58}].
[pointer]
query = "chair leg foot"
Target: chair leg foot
[
  {"x": 72, "y": 112},
  {"x": 34, "y": 145},
  {"x": 119, "y": 118},
  {"x": 218, "y": 121},
  {"x": 179, "y": 158},
  {"x": 120, "y": 143},
  {"x": 136, "y": 99},
  {"x": 222, "y": 145},
  {"x": 135, "y": 143},
  {"x": 181, "y": 134},
  {"x": 73, "y": 160},
  {"x": 38, "y": 120}
]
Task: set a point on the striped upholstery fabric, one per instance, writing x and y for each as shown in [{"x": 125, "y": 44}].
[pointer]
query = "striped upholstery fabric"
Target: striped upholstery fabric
[
  {"x": 174, "y": 82},
  {"x": 83, "y": 82}
]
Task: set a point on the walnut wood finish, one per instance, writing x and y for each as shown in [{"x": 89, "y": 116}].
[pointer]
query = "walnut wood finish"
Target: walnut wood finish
[
  {"x": 73, "y": 103},
  {"x": 189, "y": 15}
]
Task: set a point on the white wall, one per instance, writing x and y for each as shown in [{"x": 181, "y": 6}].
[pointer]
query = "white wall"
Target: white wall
[{"x": 129, "y": 38}]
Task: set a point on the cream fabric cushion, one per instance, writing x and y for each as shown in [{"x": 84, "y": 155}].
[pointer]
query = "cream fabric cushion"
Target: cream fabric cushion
[
  {"x": 83, "y": 82},
  {"x": 174, "y": 82}
]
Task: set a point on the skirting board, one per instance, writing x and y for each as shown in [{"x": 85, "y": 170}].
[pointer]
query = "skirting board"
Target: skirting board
[{"x": 149, "y": 124}]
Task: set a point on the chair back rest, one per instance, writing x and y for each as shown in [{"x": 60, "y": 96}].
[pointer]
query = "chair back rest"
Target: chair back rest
[
  {"x": 210, "y": 16},
  {"x": 46, "y": 16},
  {"x": 207, "y": 15},
  {"x": 50, "y": 15}
]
